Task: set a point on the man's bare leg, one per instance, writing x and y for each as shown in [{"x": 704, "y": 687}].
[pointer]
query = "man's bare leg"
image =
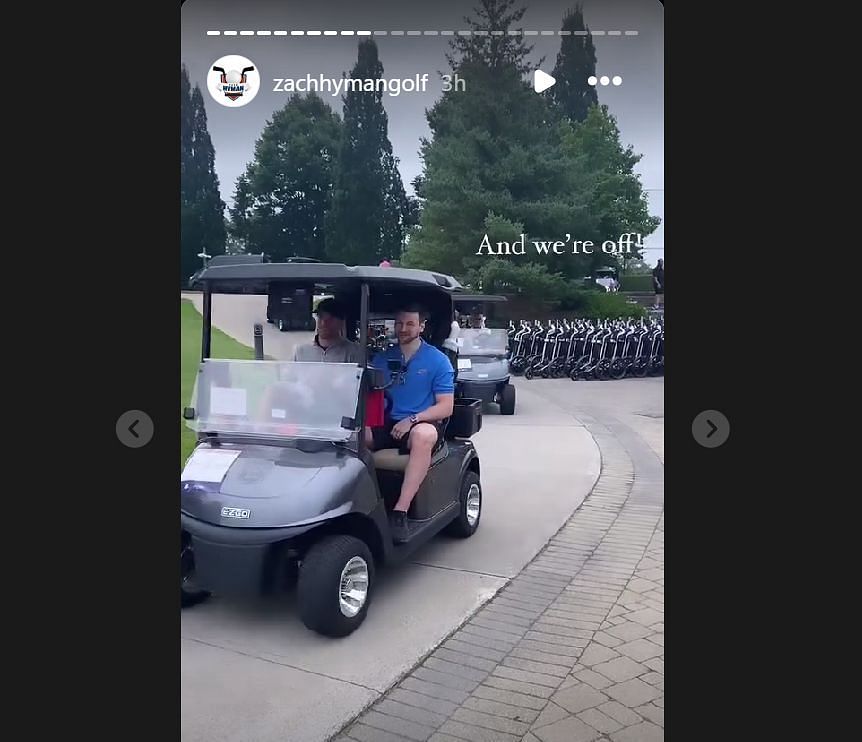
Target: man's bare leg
[{"x": 422, "y": 440}]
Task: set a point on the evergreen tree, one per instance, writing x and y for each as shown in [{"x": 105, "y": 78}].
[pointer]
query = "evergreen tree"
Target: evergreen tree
[
  {"x": 201, "y": 208},
  {"x": 369, "y": 206},
  {"x": 494, "y": 165},
  {"x": 576, "y": 61},
  {"x": 607, "y": 169},
  {"x": 496, "y": 52},
  {"x": 505, "y": 162},
  {"x": 281, "y": 200}
]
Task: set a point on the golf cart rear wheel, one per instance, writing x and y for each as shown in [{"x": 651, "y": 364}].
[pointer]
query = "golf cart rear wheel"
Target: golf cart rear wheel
[
  {"x": 507, "y": 400},
  {"x": 190, "y": 594},
  {"x": 470, "y": 510},
  {"x": 336, "y": 581}
]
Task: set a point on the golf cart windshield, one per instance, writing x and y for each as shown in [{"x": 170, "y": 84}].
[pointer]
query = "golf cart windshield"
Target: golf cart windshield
[
  {"x": 276, "y": 399},
  {"x": 483, "y": 342}
]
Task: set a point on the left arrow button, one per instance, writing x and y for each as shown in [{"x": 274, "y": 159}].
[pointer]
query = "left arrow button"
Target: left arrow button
[{"x": 134, "y": 428}]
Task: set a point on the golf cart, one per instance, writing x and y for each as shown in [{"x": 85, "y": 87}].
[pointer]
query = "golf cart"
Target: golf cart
[
  {"x": 290, "y": 307},
  {"x": 483, "y": 357},
  {"x": 212, "y": 262},
  {"x": 282, "y": 483},
  {"x": 606, "y": 277}
]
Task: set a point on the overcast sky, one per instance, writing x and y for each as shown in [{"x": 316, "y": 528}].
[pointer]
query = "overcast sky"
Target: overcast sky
[{"x": 638, "y": 103}]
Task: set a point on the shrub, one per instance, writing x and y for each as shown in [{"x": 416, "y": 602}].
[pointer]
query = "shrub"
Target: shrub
[
  {"x": 602, "y": 305},
  {"x": 639, "y": 283}
]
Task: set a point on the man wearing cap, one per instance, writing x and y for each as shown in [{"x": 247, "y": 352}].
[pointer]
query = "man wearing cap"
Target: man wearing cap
[{"x": 329, "y": 343}]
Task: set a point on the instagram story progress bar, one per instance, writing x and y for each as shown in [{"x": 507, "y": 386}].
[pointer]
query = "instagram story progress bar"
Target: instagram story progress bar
[{"x": 414, "y": 34}]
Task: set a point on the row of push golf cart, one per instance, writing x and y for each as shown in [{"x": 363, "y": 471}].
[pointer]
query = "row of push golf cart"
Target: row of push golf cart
[
  {"x": 281, "y": 488},
  {"x": 587, "y": 349}
]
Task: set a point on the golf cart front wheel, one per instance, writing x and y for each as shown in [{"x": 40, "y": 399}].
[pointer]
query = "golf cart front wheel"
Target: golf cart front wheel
[
  {"x": 335, "y": 585},
  {"x": 470, "y": 507},
  {"x": 190, "y": 594},
  {"x": 507, "y": 400}
]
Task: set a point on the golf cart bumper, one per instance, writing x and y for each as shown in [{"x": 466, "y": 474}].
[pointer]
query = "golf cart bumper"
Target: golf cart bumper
[
  {"x": 238, "y": 561},
  {"x": 484, "y": 390}
]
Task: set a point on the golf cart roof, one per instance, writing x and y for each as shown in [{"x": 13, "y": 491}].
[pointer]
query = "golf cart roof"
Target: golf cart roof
[
  {"x": 255, "y": 259},
  {"x": 478, "y": 298},
  {"x": 255, "y": 279}
]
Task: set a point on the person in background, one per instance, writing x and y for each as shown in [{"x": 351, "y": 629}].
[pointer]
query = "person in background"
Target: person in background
[
  {"x": 658, "y": 283},
  {"x": 477, "y": 319},
  {"x": 385, "y": 263}
]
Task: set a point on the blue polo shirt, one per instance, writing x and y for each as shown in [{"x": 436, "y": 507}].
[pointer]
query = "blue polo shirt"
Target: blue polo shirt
[{"x": 429, "y": 373}]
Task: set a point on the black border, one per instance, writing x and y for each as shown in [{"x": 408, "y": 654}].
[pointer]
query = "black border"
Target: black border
[
  {"x": 104, "y": 249},
  {"x": 725, "y": 164}
]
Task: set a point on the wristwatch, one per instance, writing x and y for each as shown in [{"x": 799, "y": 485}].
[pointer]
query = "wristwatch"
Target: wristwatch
[{"x": 414, "y": 419}]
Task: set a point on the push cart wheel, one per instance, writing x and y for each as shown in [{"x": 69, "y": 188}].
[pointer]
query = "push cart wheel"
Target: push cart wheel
[
  {"x": 335, "y": 585},
  {"x": 528, "y": 372},
  {"x": 470, "y": 513},
  {"x": 190, "y": 593},
  {"x": 641, "y": 367},
  {"x": 507, "y": 400},
  {"x": 618, "y": 369}
]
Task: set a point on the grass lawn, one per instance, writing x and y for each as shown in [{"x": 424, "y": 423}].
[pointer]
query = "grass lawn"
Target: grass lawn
[{"x": 223, "y": 346}]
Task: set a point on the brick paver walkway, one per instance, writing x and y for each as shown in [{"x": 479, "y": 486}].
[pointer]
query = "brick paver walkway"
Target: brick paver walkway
[{"x": 572, "y": 649}]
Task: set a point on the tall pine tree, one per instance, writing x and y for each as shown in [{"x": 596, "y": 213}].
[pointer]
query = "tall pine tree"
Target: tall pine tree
[
  {"x": 496, "y": 52},
  {"x": 538, "y": 173},
  {"x": 490, "y": 171},
  {"x": 281, "y": 200},
  {"x": 369, "y": 206},
  {"x": 607, "y": 168},
  {"x": 201, "y": 207},
  {"x": 576, "y": 61}
]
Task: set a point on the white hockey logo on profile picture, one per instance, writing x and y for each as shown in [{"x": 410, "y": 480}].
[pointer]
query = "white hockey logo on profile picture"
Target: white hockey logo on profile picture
[{"x": 233, "y": 80}]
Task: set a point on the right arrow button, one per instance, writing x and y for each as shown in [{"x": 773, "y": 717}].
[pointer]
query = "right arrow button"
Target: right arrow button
[{"x": 710, "y": 428}]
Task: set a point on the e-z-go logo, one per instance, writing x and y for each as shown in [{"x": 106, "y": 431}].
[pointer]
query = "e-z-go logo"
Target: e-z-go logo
[{"x": 233, "y": 80}]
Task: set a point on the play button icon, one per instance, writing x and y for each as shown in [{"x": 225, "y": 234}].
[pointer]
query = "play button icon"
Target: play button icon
[{"x": 542, "y": 81}]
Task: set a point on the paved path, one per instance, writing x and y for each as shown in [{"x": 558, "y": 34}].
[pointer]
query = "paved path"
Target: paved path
[{"x": 572, "y": 649}]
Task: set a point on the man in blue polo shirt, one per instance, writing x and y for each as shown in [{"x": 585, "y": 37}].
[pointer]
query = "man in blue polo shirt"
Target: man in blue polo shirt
[{"x": 420, "y": 398}]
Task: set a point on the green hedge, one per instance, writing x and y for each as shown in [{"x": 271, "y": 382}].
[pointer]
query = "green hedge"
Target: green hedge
[
  {"x": 639, "y": 283},
  {"x": 609, "y": 306},
  {"x": 598, "y": 304}
]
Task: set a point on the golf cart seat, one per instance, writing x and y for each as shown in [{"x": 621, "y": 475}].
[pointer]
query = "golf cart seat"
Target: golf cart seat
[{"x": 391, "y": 459}]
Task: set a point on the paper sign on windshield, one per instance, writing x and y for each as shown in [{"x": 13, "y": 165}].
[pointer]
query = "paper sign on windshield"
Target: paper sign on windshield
[
  {"x": 464, "y": 364},
  {"x": 208, "y": 465},
  {"x": 224, "y": 401}
]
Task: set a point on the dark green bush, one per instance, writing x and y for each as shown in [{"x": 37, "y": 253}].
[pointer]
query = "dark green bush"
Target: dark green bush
[
  {"x": 641, "y": 283},
  {"x": 603, "y": 305}
]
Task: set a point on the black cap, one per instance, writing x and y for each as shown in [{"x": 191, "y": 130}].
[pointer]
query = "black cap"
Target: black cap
[{"x": 332, "y": 307}]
